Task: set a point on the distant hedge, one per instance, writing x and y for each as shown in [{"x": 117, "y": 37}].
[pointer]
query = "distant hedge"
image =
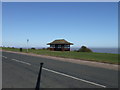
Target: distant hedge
[{"x": 84, "y": 49}]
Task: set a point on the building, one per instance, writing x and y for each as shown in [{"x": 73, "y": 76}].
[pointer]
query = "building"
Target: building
[{"x": 60, "y": 45}]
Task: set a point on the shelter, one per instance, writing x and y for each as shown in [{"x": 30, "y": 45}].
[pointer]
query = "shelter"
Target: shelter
[{"x": 60, "y": 45}]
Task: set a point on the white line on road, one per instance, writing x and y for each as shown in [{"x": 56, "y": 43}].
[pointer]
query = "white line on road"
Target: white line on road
[
  {"x": 21, "y": 61},
  {"x": 74, "y": 77},
  {"x": 4, "y": 57},
  {"x": 64, "y": 74}
]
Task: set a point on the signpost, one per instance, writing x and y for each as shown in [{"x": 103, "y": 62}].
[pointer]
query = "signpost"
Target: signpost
[{"x": 27, "y": 44}]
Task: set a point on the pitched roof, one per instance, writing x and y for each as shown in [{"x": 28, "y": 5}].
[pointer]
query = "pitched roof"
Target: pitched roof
[{"x": 60, "y": 41}]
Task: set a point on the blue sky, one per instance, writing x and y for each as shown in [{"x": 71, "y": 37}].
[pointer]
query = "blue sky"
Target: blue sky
[{"x": 90, "y": 24}]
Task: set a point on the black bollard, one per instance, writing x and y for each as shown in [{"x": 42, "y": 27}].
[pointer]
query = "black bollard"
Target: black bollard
[
  {"x": 39, "y": 78},
  {"x": 20, "y": 49}
]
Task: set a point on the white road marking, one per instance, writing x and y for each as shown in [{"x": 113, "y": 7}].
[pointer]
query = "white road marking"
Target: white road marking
[
  {"x": 62, "y": 74},
  {"x": 21, "y": 61},
  {"x": 74, "y": 77},
  {"x": 4, "y": 57}
]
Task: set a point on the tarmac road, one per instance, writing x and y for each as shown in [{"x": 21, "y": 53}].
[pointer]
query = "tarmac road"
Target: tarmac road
[{"x": 21, "y": 71}]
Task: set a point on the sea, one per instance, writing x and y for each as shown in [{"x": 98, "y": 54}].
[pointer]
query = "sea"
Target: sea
[
  {"x": 98, "y": 50},
  {"x": 101, "y": 50}
]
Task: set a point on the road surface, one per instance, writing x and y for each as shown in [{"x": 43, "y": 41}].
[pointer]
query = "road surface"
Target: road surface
[{"x": 21, "y": 71}]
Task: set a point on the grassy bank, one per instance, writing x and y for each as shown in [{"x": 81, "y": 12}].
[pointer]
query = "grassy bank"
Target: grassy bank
[{"x": 99, "y": 57}]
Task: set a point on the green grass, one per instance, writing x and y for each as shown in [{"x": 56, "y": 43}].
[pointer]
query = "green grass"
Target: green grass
[{"x": 99, "y": 57}]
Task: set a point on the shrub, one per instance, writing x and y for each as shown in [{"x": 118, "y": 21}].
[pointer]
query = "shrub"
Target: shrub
[
  {"x": 48, "y": 48},
  {"x": 43, "y": 48},
  {"x": 33, "y": 48},
  {"x": 75, "y": 50},
  {"x": 84, "y": 49}
]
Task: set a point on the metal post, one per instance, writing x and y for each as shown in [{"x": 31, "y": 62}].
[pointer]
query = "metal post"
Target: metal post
[
  {"x": 27, "y": 44},
  {"x": 39, "y": 78}
]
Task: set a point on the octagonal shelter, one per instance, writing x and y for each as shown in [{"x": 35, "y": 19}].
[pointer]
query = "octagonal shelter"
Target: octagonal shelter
[{"x": 60, "y": 45}]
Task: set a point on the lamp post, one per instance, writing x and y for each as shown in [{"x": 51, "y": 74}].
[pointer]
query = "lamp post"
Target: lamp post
[{"x": 27, "y": 44}]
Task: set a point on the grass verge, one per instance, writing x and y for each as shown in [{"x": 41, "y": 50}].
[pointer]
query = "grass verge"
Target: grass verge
[{"x": 98, "y": 57}]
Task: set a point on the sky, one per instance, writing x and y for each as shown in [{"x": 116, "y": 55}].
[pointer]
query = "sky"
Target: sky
[
  {"x": 0, "y": 24},
  {"x": 92, "y": 24}
]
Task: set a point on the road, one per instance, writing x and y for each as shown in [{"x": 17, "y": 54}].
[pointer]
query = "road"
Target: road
[{"x": 21, "y": 71}]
